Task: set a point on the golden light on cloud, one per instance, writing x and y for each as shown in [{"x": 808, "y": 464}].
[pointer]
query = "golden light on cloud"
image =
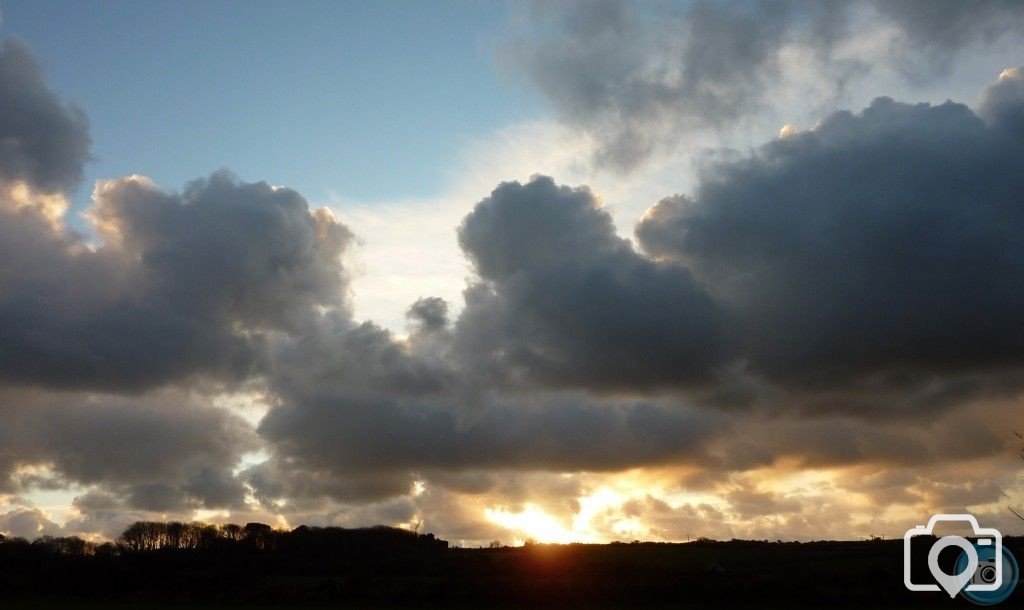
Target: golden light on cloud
[
  {"x": 785, "y": 501},
  {"x": 532, "y": 523},
  {"x": 601, "y": 517},
  {"x": 51, "y": 206},
  {"x": 208, "y": 515}
]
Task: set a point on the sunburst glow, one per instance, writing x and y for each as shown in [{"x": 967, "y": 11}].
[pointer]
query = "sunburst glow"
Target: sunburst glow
[{"x": 532, "y": 523}]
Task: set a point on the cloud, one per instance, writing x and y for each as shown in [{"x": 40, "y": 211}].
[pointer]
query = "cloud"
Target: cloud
[
  {"x": 966, "y": 433},
  {"x": 878, "y": 249},
  {"x": 428, "y": 314},
  {"x": 182, "y": 284},
  {"x": 642, "y": 79},
  {"x": 1002, "y": 104},
  {"x": 761, "y": 365},
  {"x": 553, "y": 435},
  {"x": 564, "y": 301},
  {"x": 103, "y": 514},
  {"x": 43, "y": 141},
  {"x": 172, "y": 446},
  {"x": 29, "y": 523},
  {"x": 363, "y": 413},
  {"x": 938, "y": 30},
  {"x": 819, "y": 272}
]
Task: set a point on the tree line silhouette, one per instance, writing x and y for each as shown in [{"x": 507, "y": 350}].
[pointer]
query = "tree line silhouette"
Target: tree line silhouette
[
  {"x": 202, "y": 565},
  {"x": 148, "y": 536},
  {"x": 198, "y": 562}
]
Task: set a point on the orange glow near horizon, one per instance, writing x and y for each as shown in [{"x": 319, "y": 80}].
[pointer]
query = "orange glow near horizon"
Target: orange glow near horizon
[
  {"x": 603, "y": 506},
  {"x": 532, "y": 523}
]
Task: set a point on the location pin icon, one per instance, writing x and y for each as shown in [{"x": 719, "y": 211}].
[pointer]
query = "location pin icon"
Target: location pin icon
[{"x": 953, "y": 583}]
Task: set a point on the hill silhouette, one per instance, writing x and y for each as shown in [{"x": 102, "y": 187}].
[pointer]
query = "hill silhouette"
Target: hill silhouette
[{"x": 206, "y": 566}]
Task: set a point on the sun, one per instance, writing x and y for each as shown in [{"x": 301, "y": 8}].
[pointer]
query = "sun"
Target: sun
[
  {"x": 600, "y": 517},
  {"x": 532, "y": 523}
]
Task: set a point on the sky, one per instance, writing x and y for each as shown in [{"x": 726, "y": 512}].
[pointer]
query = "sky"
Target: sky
[
  {"x": 370, "y": 98},
  {"x": 584, "y": 271}
]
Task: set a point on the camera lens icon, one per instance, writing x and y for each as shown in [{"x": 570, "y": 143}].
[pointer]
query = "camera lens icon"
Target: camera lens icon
[
  {"x": 984, "y": 573},
  {"x": 989, "y": 567}
]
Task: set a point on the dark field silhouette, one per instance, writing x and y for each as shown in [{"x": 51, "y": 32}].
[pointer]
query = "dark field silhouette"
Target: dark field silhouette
[{"x": 205, "y": 566}]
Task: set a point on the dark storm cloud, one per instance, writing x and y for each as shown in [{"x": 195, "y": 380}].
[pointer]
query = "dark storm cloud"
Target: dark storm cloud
[
  {"x": 345, "y": 432},
  {"x": 887, "y": 242},
  {"x": 937, "y": 29},
  {"x": 42, "y": 141},
  {"x": 840, "y": 441},
  {"x": 308, "y": 486},
  {"x": 366, "y": 433},
  {"x": 564, "y": 301},
  {"x": 336, "y": 354},
  {"x": 183, "y": 284},
  {"x": 28, "y": 523},
  {"x": 255, "y": 252},
  {"x": 560, "y": 300},
  {"x": 870, "y": 266},
  {"x": 627, "y": 77},
  {"x": 361, "y": 414},
  {"x": 102, "y": 513},
  {"x": 1002, "y": 105},
  {"x": 170, "y": 446},
  {"x": 865, "y": 271},
  {"x": 428, "y": 314},
  {"x": 639, "y": 77}
]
